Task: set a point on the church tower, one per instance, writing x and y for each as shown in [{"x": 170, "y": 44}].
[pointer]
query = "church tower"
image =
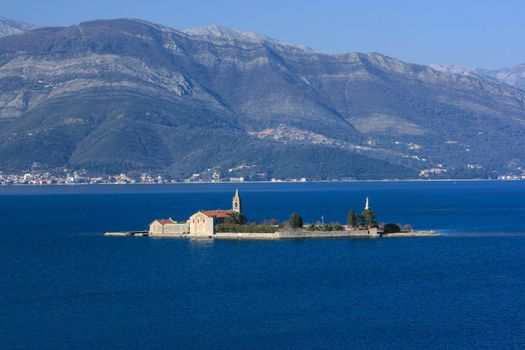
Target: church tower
[
  {"x": 236, "y": 205},
  {"x": 367, "y": 207}
]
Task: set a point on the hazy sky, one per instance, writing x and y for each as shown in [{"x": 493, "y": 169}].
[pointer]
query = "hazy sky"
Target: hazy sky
[{"x": 483, "y": 33}]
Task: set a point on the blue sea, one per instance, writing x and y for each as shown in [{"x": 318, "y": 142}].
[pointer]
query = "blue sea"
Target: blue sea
[{"x": 65, "y": 286}]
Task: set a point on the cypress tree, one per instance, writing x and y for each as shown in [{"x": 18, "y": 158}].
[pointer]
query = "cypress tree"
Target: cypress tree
[{"x": 352, "y": 218}]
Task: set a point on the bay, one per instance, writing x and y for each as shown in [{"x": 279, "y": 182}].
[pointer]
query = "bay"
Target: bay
[{"x": 64, "y": 285}]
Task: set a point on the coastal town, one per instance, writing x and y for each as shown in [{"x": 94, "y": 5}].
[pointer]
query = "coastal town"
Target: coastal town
[
  {"x": 232, "y": 224},
  {"x": 82, "y": 178},
  {"x": 38, "y": 175}
]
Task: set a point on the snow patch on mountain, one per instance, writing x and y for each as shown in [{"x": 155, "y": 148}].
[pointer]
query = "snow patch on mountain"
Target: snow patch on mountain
[
  {"x": 217, "y": 33},
  {"x": 12, "y": 27},
  {"x": 514, "y": 76}
]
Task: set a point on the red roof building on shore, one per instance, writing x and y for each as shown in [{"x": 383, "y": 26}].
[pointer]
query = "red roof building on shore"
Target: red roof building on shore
[
  {"x": 202, "y": 223},
  {"x": 219, "y": 214},
  {"x": 165, "y": 221}
]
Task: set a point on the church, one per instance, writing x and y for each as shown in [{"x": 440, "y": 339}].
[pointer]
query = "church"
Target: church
[{"x": 200, "y": 224}]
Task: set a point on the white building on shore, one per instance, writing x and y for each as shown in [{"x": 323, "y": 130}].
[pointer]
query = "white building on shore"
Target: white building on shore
[{"x": 168, "y": 227}]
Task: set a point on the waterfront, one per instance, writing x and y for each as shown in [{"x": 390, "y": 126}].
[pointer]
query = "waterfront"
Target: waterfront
[{"x": 67, "y": 286}]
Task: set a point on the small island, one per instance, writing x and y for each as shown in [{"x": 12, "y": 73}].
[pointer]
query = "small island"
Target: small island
[{"x": 232, "y": 224}]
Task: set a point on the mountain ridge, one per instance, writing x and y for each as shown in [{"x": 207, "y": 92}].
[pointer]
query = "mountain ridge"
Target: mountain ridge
[
  {"x": 13, "y": 27},
  {"x": 514, "y": 76},
  {"x": 129, "y": 95}
]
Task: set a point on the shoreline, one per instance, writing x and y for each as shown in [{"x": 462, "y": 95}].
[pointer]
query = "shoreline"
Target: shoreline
[
  {"x": 256, "y": 182},
  {"x": 411, "y": 234},
  {"x": 279, "y": 235}
]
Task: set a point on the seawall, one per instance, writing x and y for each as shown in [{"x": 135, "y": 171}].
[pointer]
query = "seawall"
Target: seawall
[
  {"x": 285, "y": 234},
  {"x": 296, "y": 234}
]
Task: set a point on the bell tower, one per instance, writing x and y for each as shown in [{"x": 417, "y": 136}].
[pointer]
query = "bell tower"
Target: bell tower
[{"x": 236, "y": 204}]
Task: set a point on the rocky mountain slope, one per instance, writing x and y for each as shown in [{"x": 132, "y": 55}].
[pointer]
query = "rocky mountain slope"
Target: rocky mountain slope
[
  {"x": 126, "y": 95},
  {"x": 514, "y": 76},
  {"x": 11, "y": 27}
]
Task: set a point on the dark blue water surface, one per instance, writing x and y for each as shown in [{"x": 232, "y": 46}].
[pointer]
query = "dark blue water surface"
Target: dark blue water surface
[{"x": 64, "y": 285}]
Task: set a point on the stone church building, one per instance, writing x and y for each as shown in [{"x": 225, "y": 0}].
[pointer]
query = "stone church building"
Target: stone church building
[{"x": 200, "y": 224}]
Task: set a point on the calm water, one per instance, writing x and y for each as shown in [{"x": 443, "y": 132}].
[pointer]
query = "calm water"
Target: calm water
[{"x": 64, "y": 285}]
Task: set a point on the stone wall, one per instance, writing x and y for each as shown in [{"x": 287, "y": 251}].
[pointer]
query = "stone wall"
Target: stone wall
[
  {"x": 246, "y": 235},
  {"x": 297, "y": 234},
  {"x": 169, "y": 230},
  {"x": 327, "y": 234}
]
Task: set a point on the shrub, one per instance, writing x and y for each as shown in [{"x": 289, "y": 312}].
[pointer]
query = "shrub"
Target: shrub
[
  {"x": 326, "y": 227},
  {"x": 296, "y": 220},
  {"x": 391, "y": 228},
  {"x": 248, "y": 228},
  {"x": 236, "y": 218}
]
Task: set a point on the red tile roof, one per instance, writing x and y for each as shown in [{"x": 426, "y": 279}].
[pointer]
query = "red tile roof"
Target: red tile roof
[
  {"x": 217, "y": 213},
  {"x": 165, "y": 221}
]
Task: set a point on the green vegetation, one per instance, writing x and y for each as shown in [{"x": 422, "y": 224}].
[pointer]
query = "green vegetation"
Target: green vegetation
[
  {"x": 352, "y": 218},
  {"x": 391, "y": 228},
  {"x": 296, "y": 220},
  {"x": 367, "y": 218},
  {"x": 326, "y": 227},
  {"x": 236, "y": 222},
  {"x": 236, "y": 219},
  {"x": 248, "y": 228}
]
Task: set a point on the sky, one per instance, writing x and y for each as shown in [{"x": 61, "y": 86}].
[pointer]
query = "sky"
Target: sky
[{"x": 485, "y": 33}]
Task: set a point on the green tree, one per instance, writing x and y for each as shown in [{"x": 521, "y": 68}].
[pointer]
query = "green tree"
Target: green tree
[
  {"x": 235, "y": 219},
  {"x": 391, "y": 228},
  {"x": 360, "y": 220},
  {"x": 368, "y": 218},
  {"x": 296, "y": 221},
  {"x": 352, "y": 218}
]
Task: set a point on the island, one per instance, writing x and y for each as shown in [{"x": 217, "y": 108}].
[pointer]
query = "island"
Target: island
[{"x": 231, "y": 224}]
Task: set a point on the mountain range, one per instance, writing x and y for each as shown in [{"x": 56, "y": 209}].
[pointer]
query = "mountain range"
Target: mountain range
[{"x": 126, "y": 95}]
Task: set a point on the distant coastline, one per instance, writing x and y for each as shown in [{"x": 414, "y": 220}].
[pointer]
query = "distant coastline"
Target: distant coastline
[{"x": 254, "y": 182}]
